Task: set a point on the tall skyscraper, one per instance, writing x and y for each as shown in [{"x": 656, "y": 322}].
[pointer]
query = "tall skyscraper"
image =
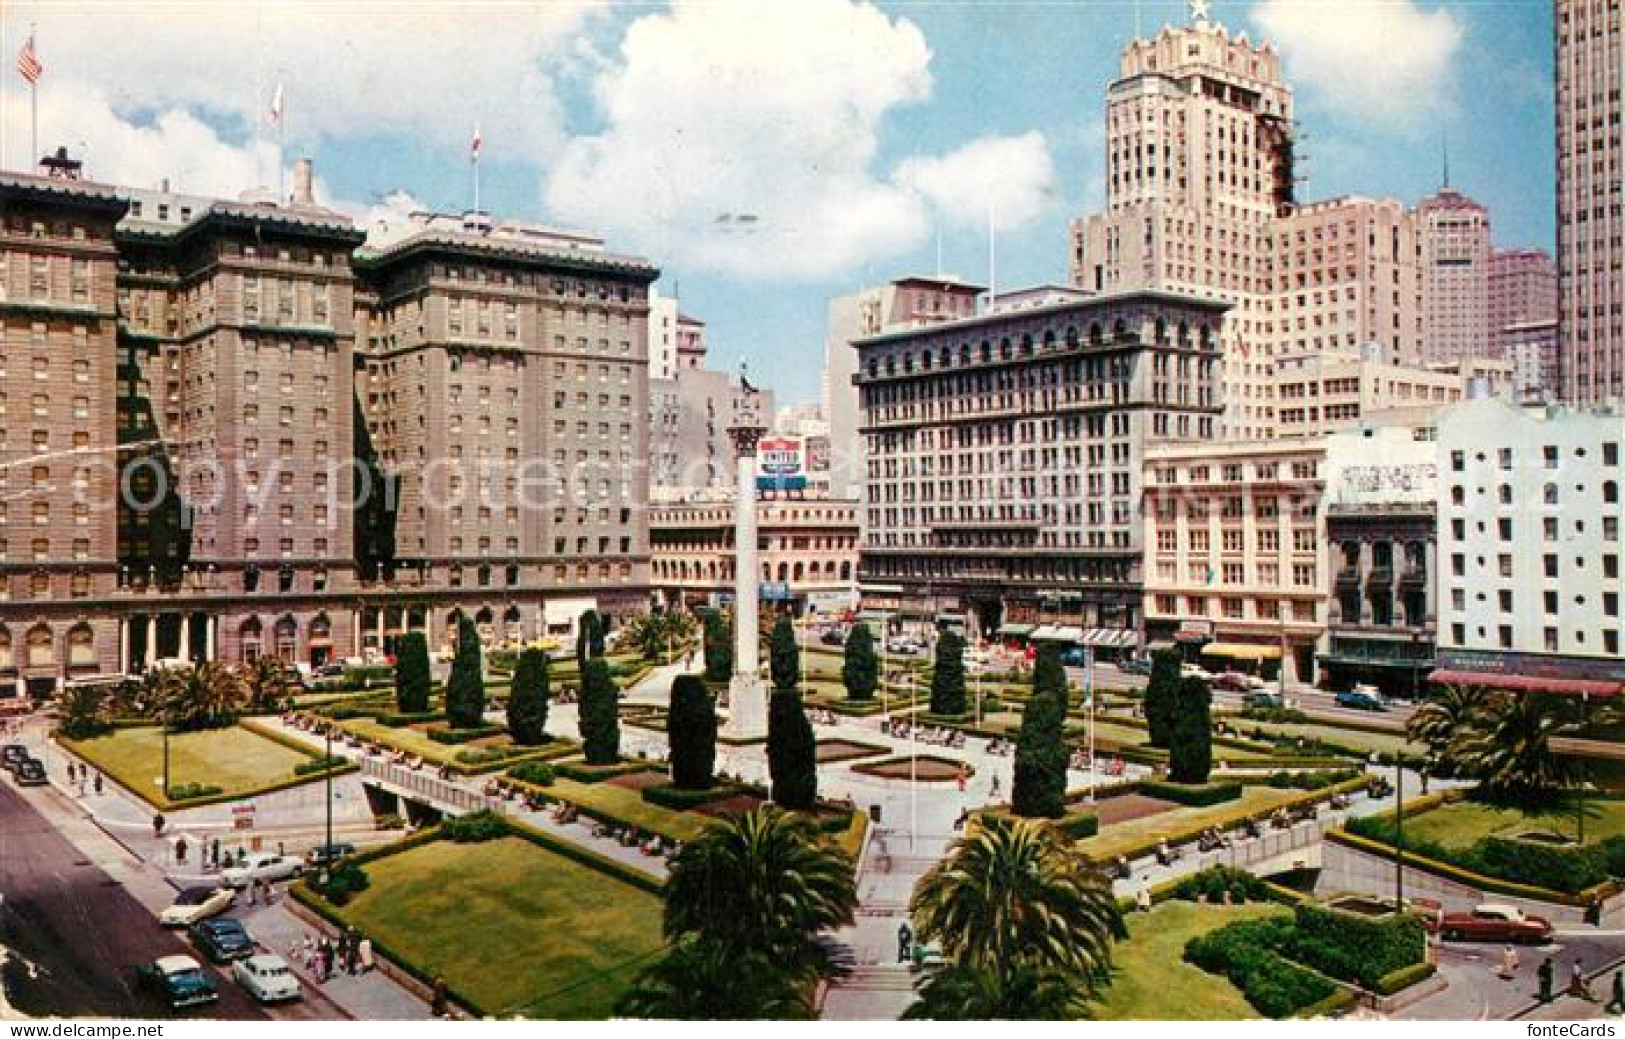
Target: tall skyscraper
[
  {"x": 1591, "y": 286},
  {"x": 1454, "y": 235},
  {"x": 1199, "y": 153}
]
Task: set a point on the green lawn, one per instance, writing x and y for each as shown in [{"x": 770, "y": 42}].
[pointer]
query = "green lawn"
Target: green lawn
[
  {"x": 1460, "y": 824},
  {"x": 1363, "y": 743},
  {"x": 234, "y": 759},
  {"x": 511, "y": 925},
  {"x": 1118, "y": 838},
  {"x": 629, "y": 806},
  {"x": 1151, "y": 980}
]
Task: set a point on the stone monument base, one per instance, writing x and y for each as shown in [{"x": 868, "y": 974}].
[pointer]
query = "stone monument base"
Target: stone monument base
[{"x": 747, "y": 708}]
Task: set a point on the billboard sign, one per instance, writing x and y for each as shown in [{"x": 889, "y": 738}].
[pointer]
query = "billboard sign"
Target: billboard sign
[{"x": 781, "y": 464}]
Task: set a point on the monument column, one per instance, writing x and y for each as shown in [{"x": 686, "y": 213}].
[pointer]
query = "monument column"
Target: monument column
[{"x": 747, "y": 695}]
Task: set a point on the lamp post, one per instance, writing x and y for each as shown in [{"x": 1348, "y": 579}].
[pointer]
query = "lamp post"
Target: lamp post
[
  {"x": 327, "y": 850},
  {"x": 164, "y": 724},
  {"x": 1089, "y": 693},
  {"x": 1399, "y": 824}
]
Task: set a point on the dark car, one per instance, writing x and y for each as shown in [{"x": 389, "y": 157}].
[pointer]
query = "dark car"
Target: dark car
[
  {"x": 1135, "y": 666},
  {"x": 1360, "y": 700},
  {"x": 327, "y": 854},
  {"x": 178, "y": 980},
  {"x": 12, "y": 754},
  {"x": 29, "y": 772},
  {"x": 222, "y": 939},
  {"x": 1074, "y": 656},
  {"x": 833, "y": 637},
  {"x": 1263, "y": 698}
]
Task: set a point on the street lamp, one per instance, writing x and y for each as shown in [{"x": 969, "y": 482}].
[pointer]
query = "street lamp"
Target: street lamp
[
  {"x": 1399, "y": 830},
  {"x": 327, "y": 851}
]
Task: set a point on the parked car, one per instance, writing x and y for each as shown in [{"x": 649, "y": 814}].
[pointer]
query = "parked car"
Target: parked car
[
  {"x": 1074, "y": 656},
  {"x": 329, "y": 671},
  {"x": 1234, "y": 681},
  {"x": 1263, "y": 698},
  {"x": 197, "y": 903},
  {"x": 903, "y": 648},
  {"x": 327, "y": 854},
  {"x": 267, "y": 978},
  {"x": 262, "y": 867},
  {"x": 1135, "y": 666},
  {"x": 178, "y": 980},
  {"x": 12, "y": 754},
  {"x": 833, "y": 637},
  {"x": 30, "y": 772},
  {"x": 1493, "y": 922},
  {"x": 1361, "y": 699},
  {"x": 222, "y": 939},
  {"x": 1195, "y": 671}
]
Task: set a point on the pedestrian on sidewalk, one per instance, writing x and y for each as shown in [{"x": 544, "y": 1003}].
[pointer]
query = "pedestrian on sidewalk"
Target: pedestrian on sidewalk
[
  {"x": 1142, "y": 897},
  {"x": 158, "y": 825},
  {"x": 180, "y": 851},
  {"x": 1594, "y": 911},
  {"x": 364, "y": 953},
  {"x": 1509, "y": 963},
  {"x": 1547, "y": 974},
  {"x": 905, "y": 941},
  {"x": 962, "y": 777},
  {"x": 1579, "y": 987},
  {"x": 1616, "y": 1004},
  {"x": 437, "y": 999},
  {"x": 254, "y": 891},
  {"x": 98, "y": 783}
]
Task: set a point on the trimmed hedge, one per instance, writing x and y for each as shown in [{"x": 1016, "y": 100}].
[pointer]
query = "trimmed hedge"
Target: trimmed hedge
[
  {"x": 452, "y": 737},
  {"x": 401, "y": 719},
  {"x": 1357, "y": 948},
  {"x": 1212, "y": 883},
  {"x": 541, "y": 773},
  {"x": 1404, "y": 978},
  {"x": 1196, "y": 796},
  {"x": 474, "y": 828},
  {"x": 1309, "y": 780},
  {"x": 310, "y": 768},
  {"x": 584, "y": 773},
  {"x": 192, "y": 791},
  {"x": 666, "y": 795},
  {"x": 1079, "y": 825},
  {"x": 1244, "y": 952}
]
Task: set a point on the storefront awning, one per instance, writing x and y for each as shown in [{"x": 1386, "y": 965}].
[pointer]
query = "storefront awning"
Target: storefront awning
[
  {"x": 1017, "y": 630},
  {"x": 1241, "y": 651},
  {"x": 1057, "y": 633},
  {"x": 1110, "y": 638},
  {"x": 1528, "y": 683}
]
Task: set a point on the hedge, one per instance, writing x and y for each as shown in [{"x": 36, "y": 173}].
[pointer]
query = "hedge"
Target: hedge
[
  {"x": 318, "y": 765},
  {"x": 192, "y": 792},
  {"x": 1427, "y": 863},
  {"x": 1404, "y": 978},
  {"x": 665, "y": 795},
  {"x": 584, "y": 773},
  {"x": 1244, "y": 952},
  {"x": 1215, "y": 881},
  {"x": 452, "y": 737},
  {"x": 1356, "y": 948},
  {"x": 1195, "y": 796},
  {"x": 400, "y": 719},
  {"x": 1079, "y": 825},
  {"x": 541, "y": 773}
]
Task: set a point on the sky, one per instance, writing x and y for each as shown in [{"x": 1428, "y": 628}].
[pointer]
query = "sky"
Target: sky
[{"x": 858, "y": 140}]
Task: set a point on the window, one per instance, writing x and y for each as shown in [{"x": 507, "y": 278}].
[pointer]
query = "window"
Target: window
[
  {"x": 1504, "y": 635},
  {"x": 1549, "y": 603},
  {"x": 1549, "y": 456},
  {"x": 1504, "y": 600},
  {"x": 1550, "y": 563}
]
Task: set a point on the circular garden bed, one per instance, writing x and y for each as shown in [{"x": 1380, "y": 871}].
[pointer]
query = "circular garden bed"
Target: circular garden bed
[{"x": 927, "y": 768}]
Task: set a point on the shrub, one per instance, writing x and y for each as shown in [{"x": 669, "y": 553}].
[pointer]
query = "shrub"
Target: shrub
[
  {"x": 1354, "y": 947},
  {"x": 389, "y": 821},
  {"x": 1079, "y": 825},
  {"x": 539, "y": 773},
  {"x": 1404, "y": 978},
  {"x": 585, "y": 773},
  {"x": 600, "y": 714},
  {"x": 691, "y": 727},
  {"x": 528, "y": 699},
  {"x": 792, "y": 752},
  {"x": 948, "y": 675},
  {"x": 1276, "y": 715},
  {"x": 589, "y": 638},
  {"x": 465, "y": 690},
  {"x": 719, "y": 649},
  {"x": 453, "y": 737},
  {"x": 488, "y": 755},
  {"x": 1310, "y": 780},
  {"x": 322, "y": 764},
  {"x": 860, "y": 670},
  {"x": 345, "y": 880},
  {"x": 1195, "y": 795},
  {"x": 1212, "y": 883},
  {"x": 784, "y": 656},
  {"x": 1563, "y": 868},
  {"x": 1160, "y": 692},
  {"x": 192, "y": 791},
  {"x": 1039, "y": 786},
  {"x": 475, "y": 828},
  {"x": 412, "y": 677},
  {"x": 1190, "y": 736},
  {"x": 1245, "y": 952},
  {"x": 669, "y": 795},
  {"x": 400, "y": 719}
]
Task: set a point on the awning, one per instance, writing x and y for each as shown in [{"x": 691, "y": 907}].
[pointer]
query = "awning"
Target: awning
[
  {"x": 1110, "y": 638},
  {"x": 1528, "y": 683},
  {"x": 1241, "y": 651},
  {"x": 1017, "y": 630},
  {"x": 1057, "y": 633},
  {"x": 1191, "y": 635}
]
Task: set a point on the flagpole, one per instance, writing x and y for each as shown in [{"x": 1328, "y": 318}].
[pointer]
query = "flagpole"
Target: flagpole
[
  {"x": 476, "y": 161},
  {"x": 281, "y": 142},
  {"x": 33, "y": 104}
]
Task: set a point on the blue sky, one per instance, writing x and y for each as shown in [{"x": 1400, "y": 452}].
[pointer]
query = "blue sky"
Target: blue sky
[{"x": 855, "y": 134}]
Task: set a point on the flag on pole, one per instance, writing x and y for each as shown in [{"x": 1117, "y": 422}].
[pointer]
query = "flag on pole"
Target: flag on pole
[
  {"x": 276, "y": 105},
  {"x": 474, "y": 144},
  {"x": 28, "y": 64}
]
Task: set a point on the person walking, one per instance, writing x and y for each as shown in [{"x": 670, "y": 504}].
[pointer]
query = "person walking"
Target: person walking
[
  {"x": 97, "y": 783},
  {"x": 1547, "y": 974},
  {"x": 905, "y": 941},
  {"x": 180, "y": 851},
  {"x": 437, "y": 1000},
  {"x": 158, "y": 825},
  {"x": 364, "y": 953},
  {"x": 1616, "y": 1002},
  {"x": 1142, "y": 897},
  {"x": 961, "y": 777},
  {"x": 1509, "y": 963},
  {"x": 1579, "y": 987}
]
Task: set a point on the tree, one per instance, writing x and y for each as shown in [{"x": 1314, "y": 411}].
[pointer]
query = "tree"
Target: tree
[
  {"x": 691, "y": 729},
  {"x": 204, "y": 696},
  {"x": 589, "y": 638},
  {"x": 719, "y": 647},
  {"x": 600, "y": 714},
  {"x": 1508, "y": 746},
  {"x": 784, "y": 656},
  {"x": 654, "y": 634},
  {"x": 82, "y": 711},
  {"x": 1159, "y": 696},
  {"x": 1039, "y": 786},
  {"x": 707, "y": 981},
  {"x": 1442, "y": 722},
  {"x": 1190, "y": 743},
  {"x": 792, "y": 752},
  {"x": 528, "y": 698},
  {"x": 1025, "y": 920},
  {"x": 465, "y": 689},
  {"x": 761, "y": 883},
  {"x": 266, "y": 682},
  {"x": 860, "y": 669},
  {"x": 412, "y": 679},
  {"x": 948, "y": 677}
]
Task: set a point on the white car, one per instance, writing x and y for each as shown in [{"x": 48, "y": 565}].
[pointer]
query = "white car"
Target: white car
[
  {"x": 267, "y": 977},
  {"x": 197, "y": 903},
  {"x": 1193, "y": 671},
  {"x": 262, "y": 867}
]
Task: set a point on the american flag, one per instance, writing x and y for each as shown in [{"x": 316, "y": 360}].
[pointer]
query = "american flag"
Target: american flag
[
  {"x": 28, "y": 64},
  {"x": 474, "y": 144}
]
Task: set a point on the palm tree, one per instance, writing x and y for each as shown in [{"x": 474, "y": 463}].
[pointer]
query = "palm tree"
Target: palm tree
[
  {"x": 1510, "y": 750},
  {"x": 761, "y": 883},
  {"x": 205, "y": 696},
  {"x": 962, "y": 992},
  {"x": 266, "y": 682},
  {"x": 703, "y": 981},
  {"x": 1441, "y": 723},
  {"x": 1018, "y": 911},
  {"x": 152, "y": 694}
]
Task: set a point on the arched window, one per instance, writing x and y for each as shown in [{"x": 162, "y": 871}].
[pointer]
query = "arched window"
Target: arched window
[
  {"x": 784, "y": 572},
  {"x": 287, "y": 638},
  {"x": 81, "y": 646},
  {"x": 41, "y": 651},
  {"x": 321, "y": 628},
  {"x": 798, "y": 573},
  {"x": 7, "y": 662},
  {"x": 846, "y": 570}
]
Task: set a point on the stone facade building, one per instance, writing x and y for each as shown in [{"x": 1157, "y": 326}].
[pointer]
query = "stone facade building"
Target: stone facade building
[{"x": 1454, "y": 234}]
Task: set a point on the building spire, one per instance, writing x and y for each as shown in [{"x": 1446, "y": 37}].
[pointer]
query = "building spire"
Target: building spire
[
  {"x": 1199, "y": 9},
  {"x": 1444, "y": 148}
]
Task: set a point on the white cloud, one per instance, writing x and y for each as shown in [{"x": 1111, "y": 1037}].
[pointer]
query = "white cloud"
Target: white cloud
[
  {"x": 389, "y": 219},
  {"x": 742, "y": 138},
  {"x": 348, "y": 67},
  {"x": 1377, "y": 60},
  {"x": 1013, "y": 175}
]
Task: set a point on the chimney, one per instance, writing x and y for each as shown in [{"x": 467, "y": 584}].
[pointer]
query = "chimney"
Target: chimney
[{"x": 302, "y": 195}]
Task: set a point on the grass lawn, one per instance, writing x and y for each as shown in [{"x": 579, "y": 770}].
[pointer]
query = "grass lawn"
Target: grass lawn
[
  {"x": 1363, "y": 743},
  {"x": 1458, "y": 825},
  {"x": 513, "y": 926},
  {"x": 1117, "y": 838},
  {"x": 629, "y": 806},
  {"x": 237, "y": 761},
  {"x": 1151, "y": 980}
]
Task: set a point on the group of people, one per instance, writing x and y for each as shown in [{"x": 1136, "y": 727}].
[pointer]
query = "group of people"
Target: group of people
[
  {"x": 821, "y": 716},
  {"x": 1081, "y": 762},
  {"x": 322, "y": 958},
  {"x": 935, "y": 735},
  {"x": 1212, "y": 839},
  {"x": 81, "y": 776},
  {"x": 1579, "y": 984}
]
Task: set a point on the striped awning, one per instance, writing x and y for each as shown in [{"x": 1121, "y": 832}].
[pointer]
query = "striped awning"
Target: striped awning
[
  {"x": 1057, "y": 633},
  {"x": 1110, "y": 638}
]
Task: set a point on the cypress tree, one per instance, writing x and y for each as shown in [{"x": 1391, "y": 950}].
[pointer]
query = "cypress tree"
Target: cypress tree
[
  {"x": 600, "y": 714},
  {"x": 1190, "y": 747},
  {"x": 860, "y": 668},
  {"x": 1039, "y": 787},
  {"x": 528, "y": 699},
  {"x": 1159, "y": 696},
  {"x": 465, "y": 689},
  {"x": 792, "y": 752},
  {"x": 719, "y": 647},
  {"x": 784, "y": 656},
  {"x": 691, "y": 727},
  {"x": 588, "y": 635},
  {"x": 412, "y": 678},
  {"x": 948, "y": 676}
]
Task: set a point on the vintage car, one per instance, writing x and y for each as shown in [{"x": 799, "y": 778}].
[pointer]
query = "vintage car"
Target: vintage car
[
  {"x": 178, "y": 980},
  {"x": 1493, "y": 922}
]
